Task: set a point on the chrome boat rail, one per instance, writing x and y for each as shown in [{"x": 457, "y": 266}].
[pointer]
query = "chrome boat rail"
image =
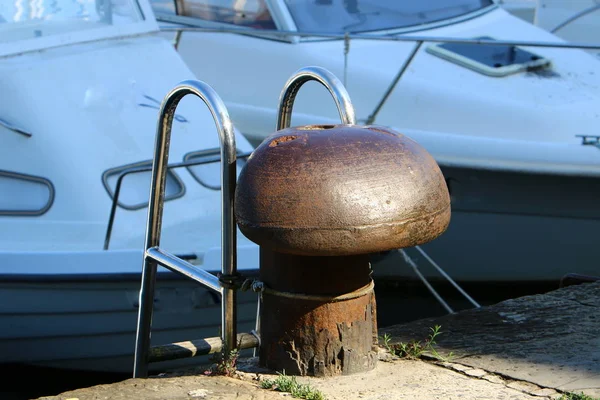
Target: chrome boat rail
[
  {"x": 191, "y": 27},
  {"x": 590, "y": 140},
  {"x": 575, "y": 17},
  {"x": 154, "y": 255},
  {"x": 324, "y": 77}
]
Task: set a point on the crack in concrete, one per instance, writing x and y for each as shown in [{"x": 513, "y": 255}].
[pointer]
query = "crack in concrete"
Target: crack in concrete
[{"x": 506, "y": 379}]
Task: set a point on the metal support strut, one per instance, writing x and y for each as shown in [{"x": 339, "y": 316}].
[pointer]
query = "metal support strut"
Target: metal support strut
[{"x": 153, "y": 255}]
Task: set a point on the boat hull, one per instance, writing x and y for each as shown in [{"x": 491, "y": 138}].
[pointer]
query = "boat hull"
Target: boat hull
[
  {"x": 511, "y": 227},
  {"x": 91, "y": 324}
]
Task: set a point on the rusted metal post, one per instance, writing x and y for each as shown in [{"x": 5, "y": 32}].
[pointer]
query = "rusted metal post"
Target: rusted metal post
[
  {"x": 318, "y": 315},
  {"x": 318, "y": 200}
]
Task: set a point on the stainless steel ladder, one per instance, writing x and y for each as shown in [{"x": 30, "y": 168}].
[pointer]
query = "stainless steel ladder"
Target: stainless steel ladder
[
  {"x": 154, "y": 255},
  {"x": 225, "y": 284}
]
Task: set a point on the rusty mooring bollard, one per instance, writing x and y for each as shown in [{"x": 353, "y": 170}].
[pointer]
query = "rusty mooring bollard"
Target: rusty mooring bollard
[{"x": 318, "y": 200}]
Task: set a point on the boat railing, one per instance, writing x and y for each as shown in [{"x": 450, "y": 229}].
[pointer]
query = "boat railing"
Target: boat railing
[
  {"x": 575, "y": 17},
  {"x": 210, "y": 157},
  {"x": 590, "y": 140},
  {"x": 193, "y": 25}
]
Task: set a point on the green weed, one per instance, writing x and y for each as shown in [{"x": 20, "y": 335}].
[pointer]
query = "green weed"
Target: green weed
[
  {"x": 415, "y": 349},
  {"x": 577, "y": 396},
  {"x": 225, "y": 364},
  {"x": 288, "y": 384}
]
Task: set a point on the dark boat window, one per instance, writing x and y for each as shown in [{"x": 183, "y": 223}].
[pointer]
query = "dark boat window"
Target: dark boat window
[
  {"x": 246, "y": 13},
  {"x": 340, "y": 16},
  {"x": 489, "y": 59}
]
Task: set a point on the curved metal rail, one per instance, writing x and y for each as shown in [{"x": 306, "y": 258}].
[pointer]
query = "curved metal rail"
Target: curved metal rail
[
  {"x": 575, "y": 17},
  {"x": 324, "y": 77},
  {"x": 153, "y": 255},
  {"x": 191, "y": 27}
]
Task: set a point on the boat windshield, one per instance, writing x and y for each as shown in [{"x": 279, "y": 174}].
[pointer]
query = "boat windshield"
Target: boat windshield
[
  {"x": 340, "y": 16},
  {"x": 28, "y": 19}
]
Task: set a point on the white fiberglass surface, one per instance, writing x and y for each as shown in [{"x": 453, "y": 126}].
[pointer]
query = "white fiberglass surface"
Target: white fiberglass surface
[
  {"x": 339, "y": 16},
  {"x": 28, "y": 19}
]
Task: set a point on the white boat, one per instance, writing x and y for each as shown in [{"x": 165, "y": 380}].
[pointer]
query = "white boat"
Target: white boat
[
  {"x": 81, "y": 83},
  {"x": 524, "y": 9},
  {"x": 504, "y": 129},
  {"x": 571, "y": 20}
]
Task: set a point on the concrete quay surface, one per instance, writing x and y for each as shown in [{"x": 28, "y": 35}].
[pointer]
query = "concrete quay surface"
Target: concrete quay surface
[
  {"x": 551, "y": 340},
  {"x": 533, "y": 347}
]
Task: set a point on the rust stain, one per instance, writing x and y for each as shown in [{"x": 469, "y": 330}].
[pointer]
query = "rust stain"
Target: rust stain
[{"x": 282, "y": 139}]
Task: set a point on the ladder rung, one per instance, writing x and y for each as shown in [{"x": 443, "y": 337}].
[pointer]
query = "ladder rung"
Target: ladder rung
[
  {"x": 183, "y": 267},
  {"x": 198, "y": 347}
]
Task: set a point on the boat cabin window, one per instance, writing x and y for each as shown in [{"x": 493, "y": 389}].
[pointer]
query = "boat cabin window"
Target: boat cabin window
[
  {"x": 340, "y": 16},
  {"x": 29, "y": 19},
  {"x": 24, "y": 195},
  {"x": 246, "y": 13},
  {"x": 135, "y": 185}
]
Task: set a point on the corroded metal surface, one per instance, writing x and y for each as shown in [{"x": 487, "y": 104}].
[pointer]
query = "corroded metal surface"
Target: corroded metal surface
[
  {"x": 316, "y": 337},
  {"x": 341, "y": 190},
  {"x": 318, "y": 199}
]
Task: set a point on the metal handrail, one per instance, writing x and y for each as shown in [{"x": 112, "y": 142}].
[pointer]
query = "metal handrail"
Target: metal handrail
[
  {"x": 575, "y": 17},
  {"x": 153, "y": 255},
  {"x": 387, "y": 37},
  {"x": 346, "y": 37},
  {"x": 209, "y": 158},
  {"x": 330, "y": 81},
  {"x": 590, "y": 140}
]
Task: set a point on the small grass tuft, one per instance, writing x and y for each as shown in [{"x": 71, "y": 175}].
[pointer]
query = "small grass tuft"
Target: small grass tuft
[
  {"x": 225, "y": 364},
  {"x": 577, "y": 396},
  {"x": 415, "y": 349},
  {"x": 289, "y": 384}
]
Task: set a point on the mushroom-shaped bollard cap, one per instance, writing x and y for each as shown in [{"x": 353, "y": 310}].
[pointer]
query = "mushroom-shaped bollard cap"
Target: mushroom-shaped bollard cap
[{"x": 340, "y": 190}]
